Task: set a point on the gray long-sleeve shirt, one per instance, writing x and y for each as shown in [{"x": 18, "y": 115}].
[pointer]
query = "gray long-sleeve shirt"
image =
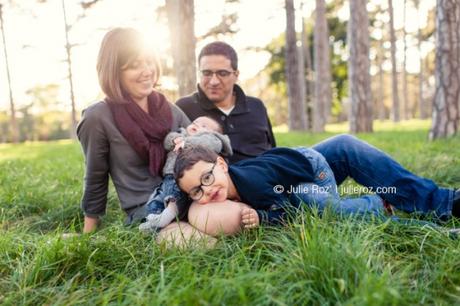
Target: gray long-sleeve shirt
[
  {"x": 108, "y": 153},
  {"x": 214, "y": 141}
]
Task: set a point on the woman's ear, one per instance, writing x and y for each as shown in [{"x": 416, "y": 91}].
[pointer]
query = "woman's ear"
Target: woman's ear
[{"x": 221, "y": 162}]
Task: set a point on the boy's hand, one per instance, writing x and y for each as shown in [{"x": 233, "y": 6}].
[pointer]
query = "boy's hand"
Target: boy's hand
[{"x": 249, "y": 218}]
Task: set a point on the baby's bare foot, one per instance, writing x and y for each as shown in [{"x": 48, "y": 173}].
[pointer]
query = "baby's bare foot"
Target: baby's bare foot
[{"x": 249, "y": 218}]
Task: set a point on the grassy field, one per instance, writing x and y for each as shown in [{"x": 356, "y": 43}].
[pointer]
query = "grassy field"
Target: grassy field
[{"x": 315, "y": 260}]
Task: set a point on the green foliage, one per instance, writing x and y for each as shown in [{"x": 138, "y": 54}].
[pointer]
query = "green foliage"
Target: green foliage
[
  {"x": 315, "y": 260},
  {"x": 44, "y": 118},
  {"x": 4, "y": 126}
]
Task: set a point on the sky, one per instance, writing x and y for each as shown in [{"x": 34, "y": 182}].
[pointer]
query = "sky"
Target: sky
[{"x": 36, "y": 38}]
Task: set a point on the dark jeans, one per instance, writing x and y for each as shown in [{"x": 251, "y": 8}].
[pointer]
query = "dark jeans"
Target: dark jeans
[
  {"x": 368, "y": 166},
  {"x": 322, "y": 192},
  {"x": 156, "y": 202}
]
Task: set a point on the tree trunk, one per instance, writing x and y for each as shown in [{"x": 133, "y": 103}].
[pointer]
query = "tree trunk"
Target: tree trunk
[
  {"x": 395, "y": 107},
  {"x": 70, "y": 76},
  {"x": 309, "y": 83},
  {"x": 447, "y": 75},
  {"x": 381, "y": 112},
  {"x": 13, "y": 121},
  {"x": 404, "y": 72},
  {"x": 323, "y": 95},
  {"x": 295, "y": 81},
  {"x": 181, "y": 21},
  {"x": 423, "y": 107},
  {"x": 381, "y": 85},
  {"x": 358, "y": 68},
  {"x": 301, "y": 72}
]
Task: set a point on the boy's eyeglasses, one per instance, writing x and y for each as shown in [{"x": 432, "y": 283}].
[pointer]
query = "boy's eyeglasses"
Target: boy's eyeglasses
[
  {"x": 220, "y": 74},
  {"x": 206, "y": 179}
]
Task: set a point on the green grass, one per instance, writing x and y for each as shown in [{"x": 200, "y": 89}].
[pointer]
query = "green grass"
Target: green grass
[{"x": 315, "y": 260}]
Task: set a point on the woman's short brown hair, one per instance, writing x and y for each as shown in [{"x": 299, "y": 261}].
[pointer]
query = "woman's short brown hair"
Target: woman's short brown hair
[{"x": 119, "y": 47}]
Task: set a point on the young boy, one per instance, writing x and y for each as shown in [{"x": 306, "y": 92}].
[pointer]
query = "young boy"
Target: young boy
[
  {"x": 270, "y": 183},
  {"x": 167, "y": 201}
]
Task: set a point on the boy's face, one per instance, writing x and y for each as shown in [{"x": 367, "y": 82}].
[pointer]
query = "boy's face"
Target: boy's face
[
  {"x": 202, "y": 124},
  {"x": 202, "y": 174}
]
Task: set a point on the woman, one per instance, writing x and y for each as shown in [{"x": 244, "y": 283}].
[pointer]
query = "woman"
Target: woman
[{"x": 122, "y": 136}]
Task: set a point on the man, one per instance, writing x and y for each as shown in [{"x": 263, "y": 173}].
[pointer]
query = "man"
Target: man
[{"x": 243, "y": 118}]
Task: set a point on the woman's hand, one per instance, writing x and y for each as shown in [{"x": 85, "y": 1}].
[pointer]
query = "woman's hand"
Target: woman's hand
[{"x": 90, "y": 225}]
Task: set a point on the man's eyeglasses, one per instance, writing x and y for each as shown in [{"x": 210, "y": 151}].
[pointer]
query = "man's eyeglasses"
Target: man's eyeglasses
[
  {"x": 221, "y": 74},
  {"x": 206, "y": 179}
]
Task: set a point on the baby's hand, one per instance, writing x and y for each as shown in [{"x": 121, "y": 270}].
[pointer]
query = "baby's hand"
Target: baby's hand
[
  {"x": 179, "y": 143},
  {"x": 178, "y": 140}
]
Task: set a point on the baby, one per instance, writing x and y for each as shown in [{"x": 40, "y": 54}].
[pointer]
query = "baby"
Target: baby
[{"x": 167, "y": 201}]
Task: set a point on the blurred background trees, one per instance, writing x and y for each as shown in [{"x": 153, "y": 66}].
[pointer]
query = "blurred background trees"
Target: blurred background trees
[
  {"x": 181, "y": 22},
  {"x": 447, "y": 96},
  {"x": 14, "y": 132},
  {"x": 361, "y": 114},
  {"x": 329, "y": 61},
  {"x": 295, "y": 74},
  {"x": 322, "y": 100}
]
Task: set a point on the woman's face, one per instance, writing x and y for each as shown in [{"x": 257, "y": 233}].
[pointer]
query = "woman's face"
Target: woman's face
[{"x": 138, "y": 77}]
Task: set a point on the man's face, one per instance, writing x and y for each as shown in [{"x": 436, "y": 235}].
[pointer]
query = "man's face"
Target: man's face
[{"x": 217, "y": 77}]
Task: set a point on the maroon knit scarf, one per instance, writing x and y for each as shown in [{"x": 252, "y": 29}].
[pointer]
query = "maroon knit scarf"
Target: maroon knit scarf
[{"x": 145, "y": 132}]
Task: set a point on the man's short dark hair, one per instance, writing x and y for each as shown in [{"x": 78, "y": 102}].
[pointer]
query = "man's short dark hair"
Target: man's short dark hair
[
  {"x": 189, "y": 156},
  {"x": 220, "y": 48}
]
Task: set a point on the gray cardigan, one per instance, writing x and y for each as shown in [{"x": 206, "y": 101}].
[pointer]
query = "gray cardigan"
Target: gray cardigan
[{"x": 107, "y": 152}]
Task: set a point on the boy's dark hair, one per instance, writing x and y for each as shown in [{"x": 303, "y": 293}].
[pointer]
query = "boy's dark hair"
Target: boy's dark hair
[
  {"x": 189, "y": 156},
  {"x": 220, "y": 48}
]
